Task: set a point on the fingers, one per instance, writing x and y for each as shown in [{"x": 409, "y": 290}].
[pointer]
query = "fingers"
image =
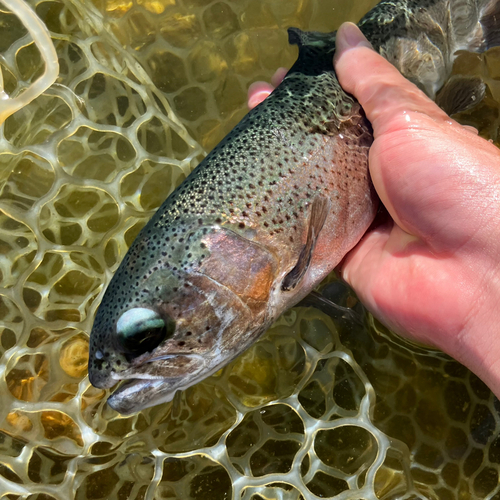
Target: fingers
[
  {"x": 364, "y": 256},
  {"x": 472, "y": 129},
  {"x": 277, "y": 78},
  {"x": 361, "y": 269},
  {"x": 379, "y": 87},
  {"x": 258, "y": 91}
]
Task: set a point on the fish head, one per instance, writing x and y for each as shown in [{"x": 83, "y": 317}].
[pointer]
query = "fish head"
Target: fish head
[{"x": 164, "y": 325}]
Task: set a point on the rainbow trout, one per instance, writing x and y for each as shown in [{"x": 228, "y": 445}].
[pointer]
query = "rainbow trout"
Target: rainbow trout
[{"x": 269, "y": 212}]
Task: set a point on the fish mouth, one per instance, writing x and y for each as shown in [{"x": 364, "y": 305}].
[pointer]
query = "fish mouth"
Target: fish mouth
[
  {"x": 137, "y": 394},
  {"x": 156, "y": 381}
]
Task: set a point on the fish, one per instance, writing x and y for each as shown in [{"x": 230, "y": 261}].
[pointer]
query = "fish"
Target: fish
[{"x": 270, "y": 211}]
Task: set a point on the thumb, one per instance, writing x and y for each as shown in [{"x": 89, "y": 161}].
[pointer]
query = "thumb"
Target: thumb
[
  {"x": 378, "y": 86},
  {"x": 412, "y": 135}
]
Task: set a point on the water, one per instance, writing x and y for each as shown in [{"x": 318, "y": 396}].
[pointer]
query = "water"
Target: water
[{"x": 319, "y": 406}]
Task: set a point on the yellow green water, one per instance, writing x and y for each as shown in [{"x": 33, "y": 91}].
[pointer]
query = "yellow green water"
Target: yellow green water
[{"x": 319, "y": 406}]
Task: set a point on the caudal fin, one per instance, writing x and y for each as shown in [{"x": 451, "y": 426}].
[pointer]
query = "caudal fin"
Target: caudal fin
[{"x": 490, "y": 23}]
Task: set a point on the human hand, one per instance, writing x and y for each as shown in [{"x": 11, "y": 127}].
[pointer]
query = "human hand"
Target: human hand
[{"x": 432, "y": 273}]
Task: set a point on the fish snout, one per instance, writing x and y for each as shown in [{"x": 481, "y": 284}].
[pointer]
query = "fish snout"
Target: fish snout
[{"x": 100, "y": 374}]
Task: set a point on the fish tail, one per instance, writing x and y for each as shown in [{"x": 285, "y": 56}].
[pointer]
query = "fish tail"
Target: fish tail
[
  {"x": 490, "y": 23},
  {"x": 474, "y": 24},
  {"x": 475, "y": 28}
]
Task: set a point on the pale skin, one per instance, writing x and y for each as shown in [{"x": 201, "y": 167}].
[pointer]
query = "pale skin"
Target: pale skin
[{"x": 432, "y": 272}]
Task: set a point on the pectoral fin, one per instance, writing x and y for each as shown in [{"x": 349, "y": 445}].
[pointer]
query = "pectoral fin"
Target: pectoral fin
[
  {"x": 319, "y": 212},
  {"x": 460, "y": 93}
]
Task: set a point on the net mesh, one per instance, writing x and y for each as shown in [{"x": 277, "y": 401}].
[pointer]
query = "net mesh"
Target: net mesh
[{"x": 322, "y": 406}]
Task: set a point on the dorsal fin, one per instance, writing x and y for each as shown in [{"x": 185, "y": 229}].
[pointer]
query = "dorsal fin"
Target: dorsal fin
[
  {"x": 312, "y": 38},
  {"x": 319, "y": 212},
  {"x": 315, "y": 51}
]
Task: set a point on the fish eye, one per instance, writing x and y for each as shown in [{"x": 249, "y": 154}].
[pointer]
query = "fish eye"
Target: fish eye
[{"x": 140, "y": 330}]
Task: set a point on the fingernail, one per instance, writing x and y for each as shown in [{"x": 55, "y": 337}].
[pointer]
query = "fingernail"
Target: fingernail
[
  {"x": 348, "y": 37},
  {"x": 353, "y": 36},
  {"x": 258, "y": 92}
]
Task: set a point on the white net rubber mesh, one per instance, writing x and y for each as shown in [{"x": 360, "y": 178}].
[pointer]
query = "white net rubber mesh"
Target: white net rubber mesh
[{"x": 319, "y": 407}]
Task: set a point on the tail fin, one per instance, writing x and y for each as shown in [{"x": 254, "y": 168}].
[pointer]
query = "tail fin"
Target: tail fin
[{"x": 490, "y": 23}]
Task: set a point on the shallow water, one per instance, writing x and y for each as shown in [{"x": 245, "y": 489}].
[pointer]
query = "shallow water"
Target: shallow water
[{"x": 320, "y": 406}]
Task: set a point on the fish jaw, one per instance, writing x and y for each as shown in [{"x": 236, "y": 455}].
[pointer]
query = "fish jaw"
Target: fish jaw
[{"x": 137, "y": 394}]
